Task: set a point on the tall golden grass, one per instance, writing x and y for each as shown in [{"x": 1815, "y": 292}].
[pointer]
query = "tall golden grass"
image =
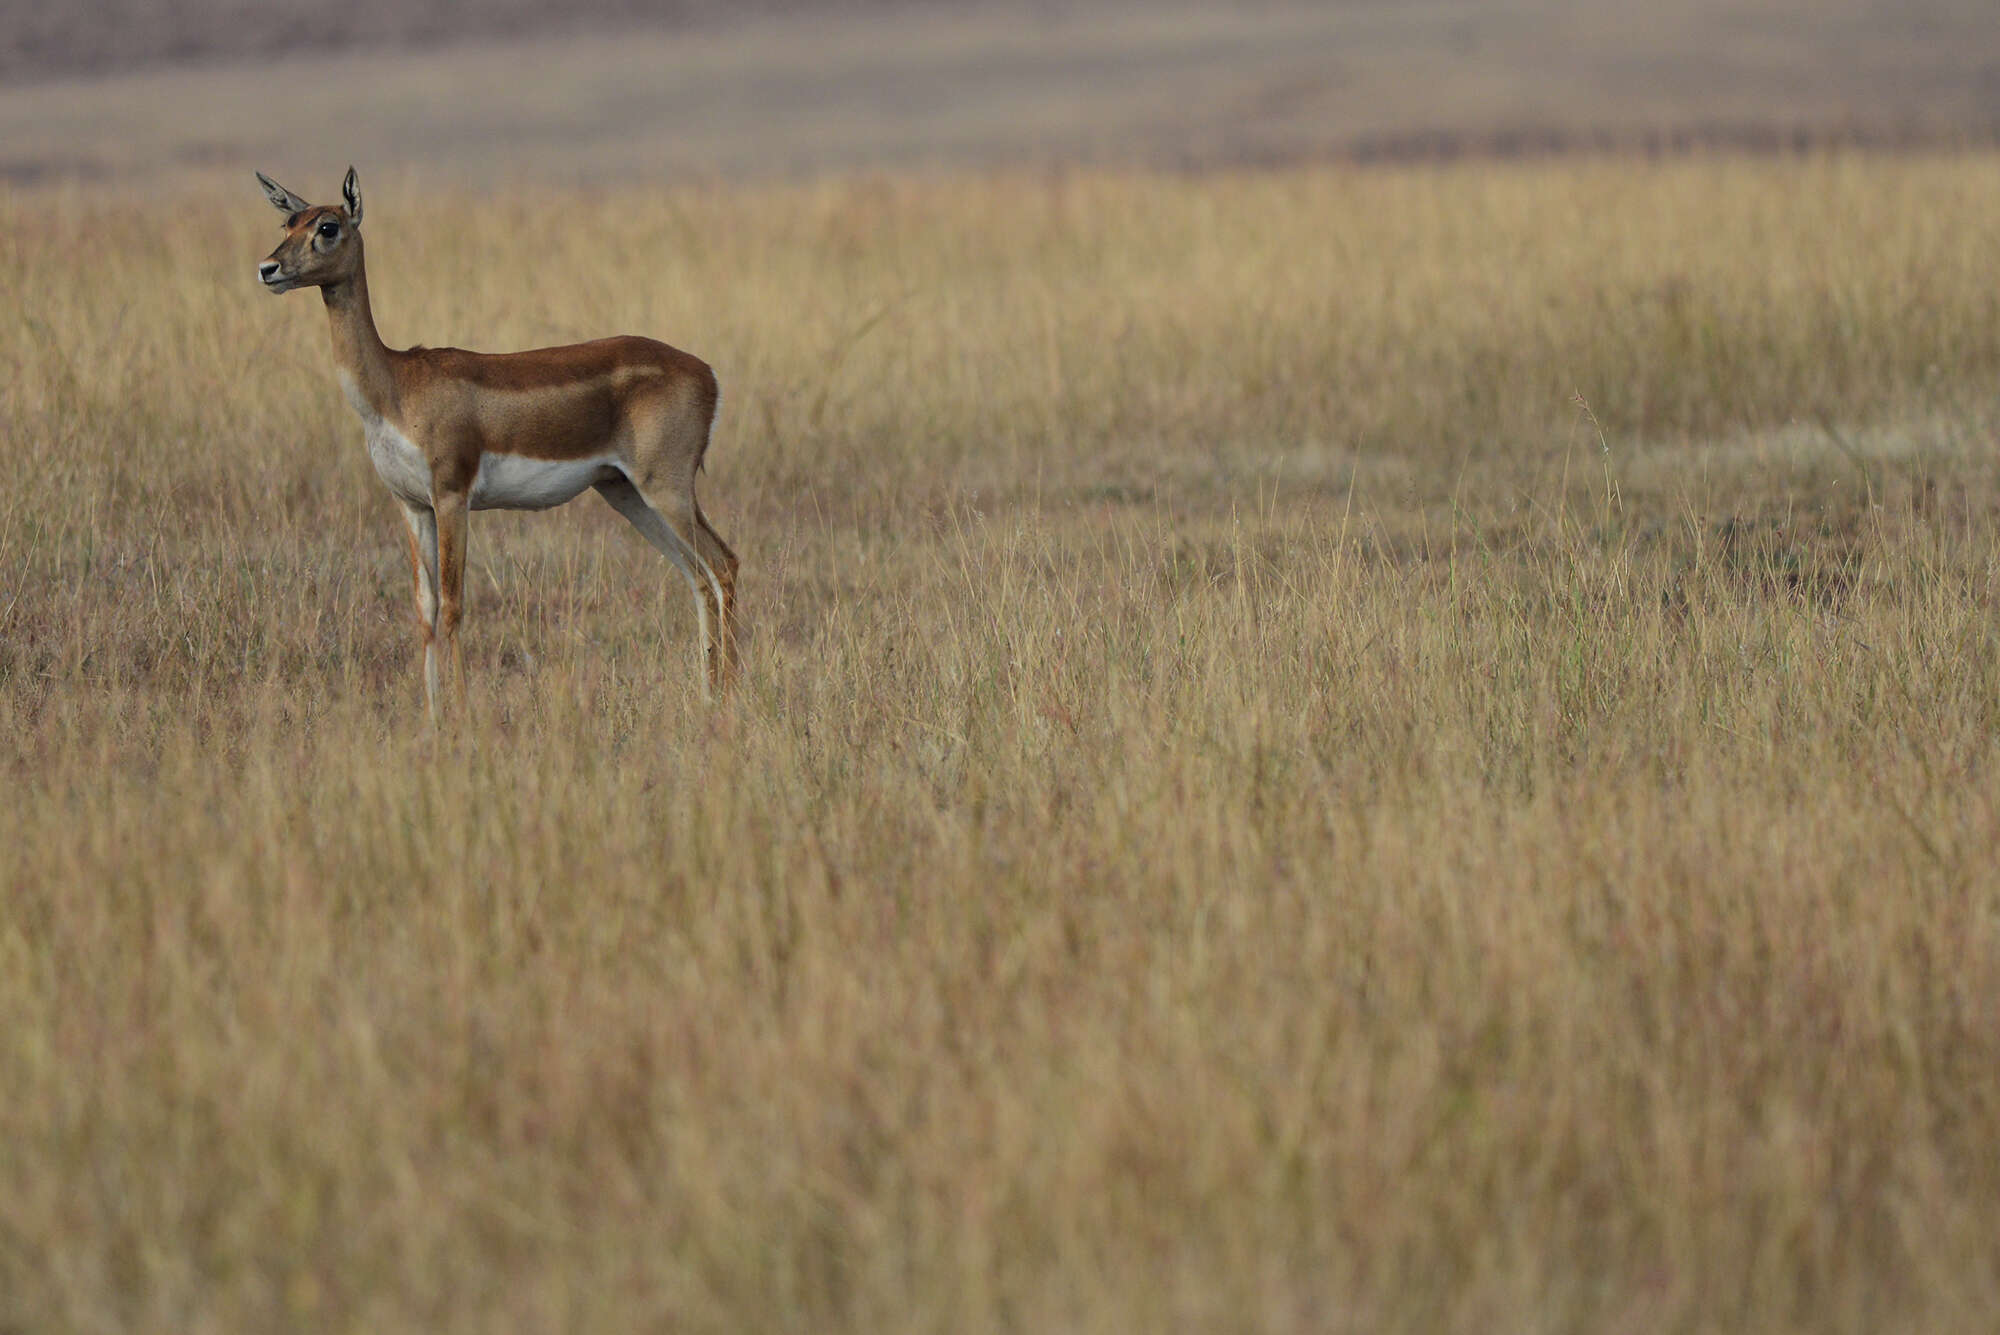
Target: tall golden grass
[{"x": 1248, "y": 807}]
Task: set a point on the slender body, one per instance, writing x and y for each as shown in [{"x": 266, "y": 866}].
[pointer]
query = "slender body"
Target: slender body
[{"x": 451, "y": 431}]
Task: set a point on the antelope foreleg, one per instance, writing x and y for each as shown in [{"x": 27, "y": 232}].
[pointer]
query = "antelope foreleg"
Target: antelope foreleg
[
  {"x": 420, "y": 528},
  {"x": 452, "y": 514}
]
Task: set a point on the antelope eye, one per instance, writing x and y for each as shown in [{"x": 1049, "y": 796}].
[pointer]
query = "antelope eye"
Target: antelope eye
[{"x": 329, "y": 229}]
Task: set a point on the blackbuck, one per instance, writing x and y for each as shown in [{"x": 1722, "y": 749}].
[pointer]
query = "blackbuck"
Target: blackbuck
[{"x": 452, "y": 431}]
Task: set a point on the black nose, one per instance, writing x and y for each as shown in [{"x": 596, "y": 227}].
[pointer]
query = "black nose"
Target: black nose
[{"x": 268, "y": 270}]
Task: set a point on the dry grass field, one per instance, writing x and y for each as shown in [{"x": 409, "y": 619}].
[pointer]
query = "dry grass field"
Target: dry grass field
[{"x": 1248, "y": 808}]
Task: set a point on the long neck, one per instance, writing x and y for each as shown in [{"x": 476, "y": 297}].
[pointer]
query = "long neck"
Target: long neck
[{"x": 357, "y": 349}]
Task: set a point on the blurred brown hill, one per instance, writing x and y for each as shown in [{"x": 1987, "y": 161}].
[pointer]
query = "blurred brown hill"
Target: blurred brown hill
[
  {"x": 39, "y": 39},
  {"x": 596, "y": 88}
]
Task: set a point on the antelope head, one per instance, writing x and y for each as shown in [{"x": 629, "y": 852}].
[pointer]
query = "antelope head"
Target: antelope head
[{"x": 322, "y": 245}]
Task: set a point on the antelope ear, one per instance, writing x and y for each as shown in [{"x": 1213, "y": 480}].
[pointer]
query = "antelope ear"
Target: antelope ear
[
  {"x": 350, "y": 190},
  {"x": 283, "y": 200}
]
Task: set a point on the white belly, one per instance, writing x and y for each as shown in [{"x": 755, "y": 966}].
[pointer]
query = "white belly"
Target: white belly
[{"x": 516, "y": 482}]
